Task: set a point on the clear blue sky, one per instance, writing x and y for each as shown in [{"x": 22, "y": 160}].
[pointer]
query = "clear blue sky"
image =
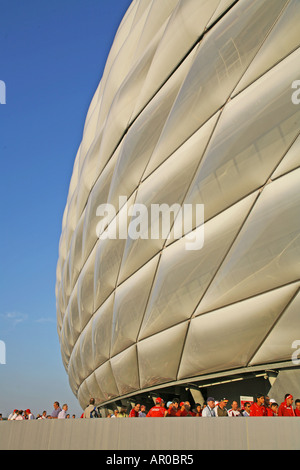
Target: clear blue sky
[{"x": 52, "y": 56}]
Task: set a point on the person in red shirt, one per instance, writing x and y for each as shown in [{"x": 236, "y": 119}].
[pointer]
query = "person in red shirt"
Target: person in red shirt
[
  {"x": 274, "y": 408},
  {"x": 173, "y": 408},
  {"x": 185, "y": 409},
  {"x": 157, "y": 411},
  {"x": 188, "y": 409},
  {"x": 134, "y": 413},
  {"x": 181, "y": 409},
  {"x": 286, "y": 408},
  {"x": 258, "y": 408},
  {"x": 268, "y": 406},
  {"x": 297, "y": 409}
]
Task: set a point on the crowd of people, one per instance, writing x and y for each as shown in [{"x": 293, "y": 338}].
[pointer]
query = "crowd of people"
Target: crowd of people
[
  {"x": 57, "y": 413},
  {"x": 262, "y": 406}
]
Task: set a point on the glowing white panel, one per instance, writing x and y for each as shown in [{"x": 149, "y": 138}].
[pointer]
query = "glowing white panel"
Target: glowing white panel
[
  {"x": 166, "y": 186},
  {"x": 129, "y": 306},
  {"x": 234, "y": 339},
  {"x": 183, "y": 275},
  {"x": 94, "y": 391},
  {"x": 274, "y": 48},
  {"x": 254, "y": 131},
  {"x": 184, "y": 27},
  {"x": 125, "y": 370},
  {"x": 158, "y": 356},
  {"x": 101, "y": 324},
  {"x": 290, "y": 161},
  {"x": 266, "y": 252},
  {"x": 83, "y": 395},
  {"x": 221, "y": 59},
  {"x": 106, "y": 381},
  {"x": 274, "y": 347}
]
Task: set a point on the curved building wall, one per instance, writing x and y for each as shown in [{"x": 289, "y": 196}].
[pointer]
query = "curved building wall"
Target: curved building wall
[{"x": 196, "y": 106}]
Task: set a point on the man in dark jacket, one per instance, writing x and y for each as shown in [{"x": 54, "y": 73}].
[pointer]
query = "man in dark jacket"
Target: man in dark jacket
[{"x": 221, "y": 410}]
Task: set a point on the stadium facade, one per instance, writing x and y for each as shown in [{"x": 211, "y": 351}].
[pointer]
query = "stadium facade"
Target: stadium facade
[{"x": 197, "y": 105}]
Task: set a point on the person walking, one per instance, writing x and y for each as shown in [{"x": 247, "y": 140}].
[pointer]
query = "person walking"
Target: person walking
[
  {"x": 198, "y": 410},
  {"x": 186, "y": 409},
  {"x": 297, "y": 409},
  {"x": 246, "y": 411},
  {"x": 157, "y": 411},
  {"x": 234, "y": 410},
  {"x": 44, "y": 415},
  {"x": 56, "y": 411},
  {"x": 19, "y": 416},
  {"x": 115, "y": 413},
  {"x": 274, "y": 408},
  {"x": 220, "y": 409},
  {"x": 63, "y": 413},
  {"x": 173, "y": 409},
  {"x": 142, "y": 412},
  {"x": 29, "y": 415},
  {"x": 122, "y": 412},
  {"x": 258, "y": 408},
  {"x": 91, "y": 411},
  {"x": 286, "y": 407},
  {"x": 209, "y": 411},
  {"x": 134, "y": 412},
  {"x": 13, "y": 415}
]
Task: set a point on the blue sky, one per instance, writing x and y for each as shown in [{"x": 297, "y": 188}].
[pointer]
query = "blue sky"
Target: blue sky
[{"x": 52, "y": 56}]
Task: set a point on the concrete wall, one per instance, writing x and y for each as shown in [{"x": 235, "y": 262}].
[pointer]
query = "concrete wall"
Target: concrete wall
[{"x": 152, "y": 434}]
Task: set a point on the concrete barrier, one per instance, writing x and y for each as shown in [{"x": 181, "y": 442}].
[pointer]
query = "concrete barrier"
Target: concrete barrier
[{"x": 276, "y": 433}]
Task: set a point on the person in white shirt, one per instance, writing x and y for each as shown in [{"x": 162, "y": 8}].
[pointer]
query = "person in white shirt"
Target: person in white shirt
[
  {"x": 19, "y": 416},
  {"x": 208, "y": 411},
  {"x": 63, "y": 413},
  {"x": 234, "y": 411},
  {"x": 13, "y": 415}
]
